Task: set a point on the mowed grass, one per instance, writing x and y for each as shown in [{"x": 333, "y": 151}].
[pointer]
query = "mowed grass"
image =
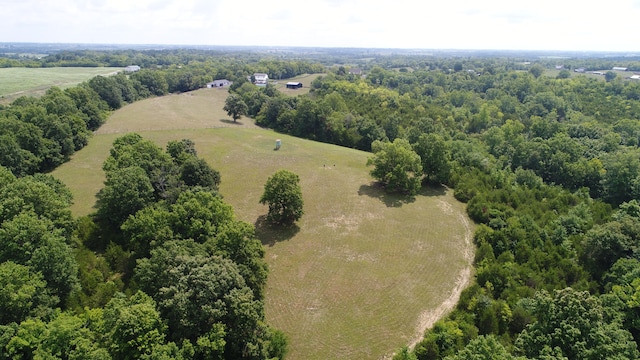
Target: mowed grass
[
  {"x": 359, "y": 274},
  {"x": 193, "y": 112},
  {"x": 198, "y": 109},
  {"x": 16, "y": 82},
  {"x": 305, "y": 79}
]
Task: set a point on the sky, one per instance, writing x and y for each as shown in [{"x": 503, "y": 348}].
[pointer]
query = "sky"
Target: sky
[{"x": 567, "y": 25}]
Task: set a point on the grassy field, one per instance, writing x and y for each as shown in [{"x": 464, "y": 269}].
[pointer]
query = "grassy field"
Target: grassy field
[
  {"x": 621, "y": 74},
  {"x": 192, "y": 112},
  {"x": 16, "y": 82},
  {"x": 362, "y": 274},
  {"x": 305, "y": 79}
]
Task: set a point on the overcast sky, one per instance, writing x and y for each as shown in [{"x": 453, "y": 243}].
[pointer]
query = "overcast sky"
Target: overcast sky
[{"x": 453, "y": 24}]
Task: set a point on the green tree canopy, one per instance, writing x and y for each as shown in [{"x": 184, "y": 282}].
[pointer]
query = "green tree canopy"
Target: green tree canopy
[
  {"x": 396, "y": 166},
  {"x": 22, "y": 291},
  {"x": 283, "y": 195},
  {"x": 55, "y": 261},
  {"x": 179, "y": 150},
  {"x": 536, "y": 70},
  {"x": 237, "y": 241},
  {"x": 199, "y": 215},
  {"x": 484, "y": 348},
  {"x": 126, "y": 191},
  {"x": 108, "y": 90},
  {"x": 133, "y": 150},
  {"x": 68, "y": 336},
  {"x": 574, "y": 324},
  {"x": 195, "y": 292},
  {"x": 434, "y": 154},
  {"x": 133, "y": 326},
  {"x": 197, "y": 172},
  {"x": 154, "y": 82},
  {"x": 32, "y": 195}
]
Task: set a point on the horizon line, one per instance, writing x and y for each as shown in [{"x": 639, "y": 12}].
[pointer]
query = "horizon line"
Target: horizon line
[{"x": 193, "y": 46}]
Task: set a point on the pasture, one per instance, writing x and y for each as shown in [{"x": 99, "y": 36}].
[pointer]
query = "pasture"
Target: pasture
[
  {"x": 622, "y": 75},
  {"x": 16, "y": 82},
  {"x": 362, "y": 274},
  {"x": 305, "y": 79}
]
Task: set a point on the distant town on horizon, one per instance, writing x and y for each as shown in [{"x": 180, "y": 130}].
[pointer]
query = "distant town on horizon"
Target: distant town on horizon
[{"x": 15, "y": 48}]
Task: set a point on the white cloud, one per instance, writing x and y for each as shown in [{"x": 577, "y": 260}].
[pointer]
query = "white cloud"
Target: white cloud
[{"x": 545, "y": 24}]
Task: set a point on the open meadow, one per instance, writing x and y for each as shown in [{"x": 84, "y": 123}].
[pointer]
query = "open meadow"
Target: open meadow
[
  {"x": 16, "y": 82},
  {"x": 624, "y": 75},
  {"x": 305, "y": 79},
  {"x": 362, "y": 274}
]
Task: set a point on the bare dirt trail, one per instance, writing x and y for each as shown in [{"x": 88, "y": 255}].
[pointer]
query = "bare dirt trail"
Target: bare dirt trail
[{"x": 429, "y": 317}]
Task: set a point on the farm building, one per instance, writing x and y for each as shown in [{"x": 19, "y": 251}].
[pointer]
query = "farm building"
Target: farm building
[
  {"x": 132, "y": 68},
  {"x": 219, "y": 83},
  {"x": 634, "y": 77},
  {"x": 618, "y": 68},
  {"x": 355, "y": 71},
  {"x": 294, "y": 85},
  {"x": 579, "y": 70},
  {"x": 261, "y": 79}
]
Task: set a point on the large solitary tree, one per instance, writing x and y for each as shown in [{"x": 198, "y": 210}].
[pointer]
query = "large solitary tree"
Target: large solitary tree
[
  {"x": 283, "y": 195},
  {"x": 396, "y": 166},
  {"x": 235, "y": 106}
]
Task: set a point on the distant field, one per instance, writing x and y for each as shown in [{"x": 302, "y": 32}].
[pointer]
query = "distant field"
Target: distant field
[
  {"x": 305, "y": 79},
  {"x": 198, "y": 109},
  {"x": 621, "y": 74},
  {"x": 193, "y": 111},
  {"x": 364, "y": 273},
  {"x": 16, "y": 82}
]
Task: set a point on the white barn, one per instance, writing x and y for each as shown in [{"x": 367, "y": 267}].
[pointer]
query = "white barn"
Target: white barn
[
  {"x": 261, "y": 78},
  {"x": 132, "y": 68}
]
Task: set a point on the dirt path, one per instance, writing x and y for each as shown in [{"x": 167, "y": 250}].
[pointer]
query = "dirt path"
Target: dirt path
[{"x": 429, "y": 317}]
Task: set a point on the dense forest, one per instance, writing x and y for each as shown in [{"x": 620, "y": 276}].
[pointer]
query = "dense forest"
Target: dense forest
[{"x": 547, "y": 161}]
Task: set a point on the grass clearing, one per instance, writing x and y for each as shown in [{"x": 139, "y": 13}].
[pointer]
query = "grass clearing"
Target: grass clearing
[
  {"x": 16, "y": 82},
  {"x": 362, "y": 274},
  {"x": 198, "y": 109},
  {"x": 305, "y": 79},
  {"x": 166, "y": 116},
  {"x": 589, "y": 74}
]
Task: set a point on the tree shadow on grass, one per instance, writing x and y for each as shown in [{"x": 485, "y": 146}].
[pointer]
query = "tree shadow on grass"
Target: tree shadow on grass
[
  {"x": 231, "y": 122},
  {"x": 270, "y": 234},
  {"x": 431, "y": 189},
  {"x": 375, "y": 190}
]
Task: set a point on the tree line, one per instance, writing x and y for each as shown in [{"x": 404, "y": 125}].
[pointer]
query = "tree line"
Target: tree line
[
  {"x": 39, "y": 134},
  {"x": 276, "y": 67}
]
